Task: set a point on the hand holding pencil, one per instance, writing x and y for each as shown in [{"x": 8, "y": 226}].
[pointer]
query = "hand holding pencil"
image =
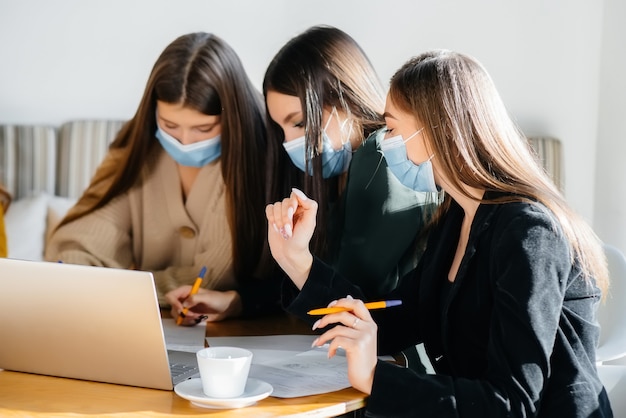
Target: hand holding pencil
[
  {"x": 347, "y": 323},
  {"x": 193, "y": 291}
]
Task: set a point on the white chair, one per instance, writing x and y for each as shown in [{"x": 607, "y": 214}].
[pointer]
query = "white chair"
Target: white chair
[
  {"x": 614, "y": 380},
  {"x": 612, "y": 310}
]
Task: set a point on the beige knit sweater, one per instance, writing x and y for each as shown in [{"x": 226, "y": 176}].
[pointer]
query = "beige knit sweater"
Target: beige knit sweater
[{"x": 151, "y": 228}]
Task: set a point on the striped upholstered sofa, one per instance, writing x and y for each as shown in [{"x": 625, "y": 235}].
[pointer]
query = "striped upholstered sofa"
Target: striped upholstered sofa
[{"x": 46, "y": 168}]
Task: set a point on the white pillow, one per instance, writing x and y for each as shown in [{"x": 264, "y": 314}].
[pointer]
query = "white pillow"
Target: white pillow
[
  {"x": 57, "y": 208},
  {"x": 25, "y": 223}
]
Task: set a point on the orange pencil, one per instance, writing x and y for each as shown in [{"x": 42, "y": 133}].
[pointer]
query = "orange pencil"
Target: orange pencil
[
  {"x": 369, "y": 305},
  {"x": 194, "y": 290}
]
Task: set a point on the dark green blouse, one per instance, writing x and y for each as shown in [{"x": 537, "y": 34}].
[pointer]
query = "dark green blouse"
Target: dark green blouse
[
  {"x": 376, "y": 222},
  {"x": 374, "y": 231}
]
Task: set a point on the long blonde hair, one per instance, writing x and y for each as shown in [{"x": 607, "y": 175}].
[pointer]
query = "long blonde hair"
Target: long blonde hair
[{"x": 478, "y": 144}]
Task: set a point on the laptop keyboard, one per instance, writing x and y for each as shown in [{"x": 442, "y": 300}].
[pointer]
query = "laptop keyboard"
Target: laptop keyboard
[
  {"x": 183, "y": 366},
  {"x": 182, "y": 372}
]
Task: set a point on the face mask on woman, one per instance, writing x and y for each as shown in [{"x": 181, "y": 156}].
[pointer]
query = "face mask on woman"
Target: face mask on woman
[
  {"x": 334, "y": 162},
  {"x": 418, "y": 177},
  {"x": 197, "y": 154}
]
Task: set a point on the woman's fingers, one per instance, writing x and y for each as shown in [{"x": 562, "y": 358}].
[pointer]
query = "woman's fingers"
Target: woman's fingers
[
  {"x": 282, "y": 216},
  {"x": 355, "y": 309},
  {"x": 304, "y": 204},
  {"x": 350, "y": 334},
  {"x": 354, "y": 320},
  {"x": 355, "y": 333}
]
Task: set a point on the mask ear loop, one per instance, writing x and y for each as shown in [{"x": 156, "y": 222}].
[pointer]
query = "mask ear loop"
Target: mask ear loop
[
  {"x": 411, "y": 137},
  {"x": 330, "y": 117},
  {"x": 350, "y": 131},
  {"x": 341, "y": 126},
  {"x": 326, "y": 127}
]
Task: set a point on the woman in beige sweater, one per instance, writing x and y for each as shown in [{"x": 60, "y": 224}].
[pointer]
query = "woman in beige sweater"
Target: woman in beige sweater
[
  {"x": 5, "y": 201},
  {"x": 181, "y": 187}
]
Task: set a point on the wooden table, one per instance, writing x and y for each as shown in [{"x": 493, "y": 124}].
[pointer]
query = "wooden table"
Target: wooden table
[{"x": 29, "y": 395}]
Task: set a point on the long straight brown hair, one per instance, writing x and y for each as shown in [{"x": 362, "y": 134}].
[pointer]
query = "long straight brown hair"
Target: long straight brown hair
[
  {"x": 324, "y": 67},
  {"x": 201, "y": 72},
  {"x": 478, "y": 144}
]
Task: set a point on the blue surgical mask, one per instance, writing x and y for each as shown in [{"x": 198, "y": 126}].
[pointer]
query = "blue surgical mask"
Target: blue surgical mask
[
  {"x": 197, "y": 154},
  {"x": 295, "y": 149},
  {"x": 418, "y": 177},
  {"x": 334, "y": 162}
]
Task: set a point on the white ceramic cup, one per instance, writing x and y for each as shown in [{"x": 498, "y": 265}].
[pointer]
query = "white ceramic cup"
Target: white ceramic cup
[{"x": 224, "y": 371}]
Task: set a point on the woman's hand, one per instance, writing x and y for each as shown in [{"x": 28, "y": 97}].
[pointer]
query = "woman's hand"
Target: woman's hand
[
  {"x": 212, "y": 305},
  {"x": 291, "y": 223},
  {"x": 356, "y": 334}
]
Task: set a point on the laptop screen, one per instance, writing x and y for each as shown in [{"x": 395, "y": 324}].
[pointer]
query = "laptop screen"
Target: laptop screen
[{"x": 92, "y": 323}]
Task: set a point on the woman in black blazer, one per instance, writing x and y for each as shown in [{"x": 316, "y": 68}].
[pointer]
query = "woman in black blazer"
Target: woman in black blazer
[{"x": 503, "y": 298}]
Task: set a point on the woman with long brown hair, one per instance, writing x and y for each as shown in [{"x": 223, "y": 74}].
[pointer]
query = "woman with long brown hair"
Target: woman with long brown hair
[{"x": 181, "y": 187}]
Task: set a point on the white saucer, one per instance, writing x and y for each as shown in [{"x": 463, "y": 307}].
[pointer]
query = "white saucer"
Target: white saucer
[{"x": 192, "y": 391}]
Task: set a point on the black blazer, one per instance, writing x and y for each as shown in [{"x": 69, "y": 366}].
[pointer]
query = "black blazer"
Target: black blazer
[{"x": 515, "y": 335}]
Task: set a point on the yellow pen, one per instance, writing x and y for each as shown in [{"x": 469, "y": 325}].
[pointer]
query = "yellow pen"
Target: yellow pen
[
  {"x": 194, "y": 290},
  {"x": 369, "y": 305}
]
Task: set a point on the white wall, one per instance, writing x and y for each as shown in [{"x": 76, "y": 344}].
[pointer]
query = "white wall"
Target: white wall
[
  {"x": 67, "y": 59},
  {"x": 610, "y": 196}
]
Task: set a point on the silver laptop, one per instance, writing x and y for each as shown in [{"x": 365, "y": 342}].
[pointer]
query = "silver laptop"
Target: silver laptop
[{"x": 82, "y": 322}]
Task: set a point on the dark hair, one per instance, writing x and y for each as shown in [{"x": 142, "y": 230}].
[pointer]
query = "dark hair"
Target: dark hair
[
  {"x": 324, "y": 67},
  {"x": 202, "y": 72}
]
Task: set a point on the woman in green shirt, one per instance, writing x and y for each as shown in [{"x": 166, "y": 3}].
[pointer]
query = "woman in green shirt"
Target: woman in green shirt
[{"x": 325, "y": 104}]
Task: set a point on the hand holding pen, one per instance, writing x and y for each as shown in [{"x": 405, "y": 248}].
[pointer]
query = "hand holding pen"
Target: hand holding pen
[
  {"x": 356, "y": 333},
  {"x": 194, "y": 290}
]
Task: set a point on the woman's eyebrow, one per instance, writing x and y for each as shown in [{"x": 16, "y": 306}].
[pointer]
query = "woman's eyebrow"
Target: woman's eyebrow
[
  {"x": 290, "y": 116},
  {"x": 206, "y": 125},
  {"x": 210, "y": 125}
]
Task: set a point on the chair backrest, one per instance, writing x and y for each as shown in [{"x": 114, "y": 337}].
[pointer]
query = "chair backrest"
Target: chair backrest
[
  {"x": 82, "y": 147},
  {"x": 549, "y": 152},
  {"x": 28, "y": 158},
  {"x": 612, "y": 311},
  {"x": 41, "y": 159}
]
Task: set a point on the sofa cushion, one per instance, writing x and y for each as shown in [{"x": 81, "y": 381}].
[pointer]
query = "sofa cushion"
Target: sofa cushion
[
  {"x": 25, "y": 224},
  {"x": 30, "y": 221},
  {"x": 57, "y": 208}
]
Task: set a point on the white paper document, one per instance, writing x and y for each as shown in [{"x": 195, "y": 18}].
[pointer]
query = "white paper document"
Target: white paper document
[
  {"x": 290, "y": 365},
  {"x": 177, "y": 338}
]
